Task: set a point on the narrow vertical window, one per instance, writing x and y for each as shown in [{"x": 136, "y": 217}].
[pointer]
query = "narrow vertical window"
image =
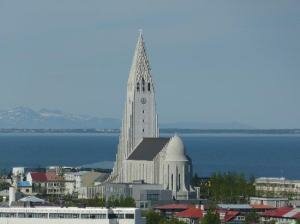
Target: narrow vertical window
[
  {"x": 172, "y": 182},
  {"x": 138, "y": 86},
  {"x": 143, "y": 84},
  {"x": 149, "y": 87}
]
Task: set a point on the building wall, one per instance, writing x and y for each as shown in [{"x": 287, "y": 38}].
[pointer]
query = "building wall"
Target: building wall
[
  {"x": 139, "y": 170},
  {"x": 279, "y": 187}
]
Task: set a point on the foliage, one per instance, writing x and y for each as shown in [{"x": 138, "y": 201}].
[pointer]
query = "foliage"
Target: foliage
[
  {"x": 121, "y": 202},
  {"x": 4, "y": 186},
  {"x": 155, "y": 218},
  {"x": 1, "y": 198},
  {"x": 211, "y": 218},
  {"x": 252, "y": 218},
  {"x": 298, "y": 221},
  {"x": 271, "y": 222},
  {"x": 97, "y": 202},
  {"x": 226, "y": 187}
]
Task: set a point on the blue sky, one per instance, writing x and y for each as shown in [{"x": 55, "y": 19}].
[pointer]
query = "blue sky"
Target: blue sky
[{"x": 212, "y": 61}]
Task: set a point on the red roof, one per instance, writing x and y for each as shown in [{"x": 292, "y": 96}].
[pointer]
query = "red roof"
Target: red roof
[
  {"x": 38, "y": 176},
  {"x": 45, "y": 177},
  {"x": 52, "y": 176},
  {"x": 279, "y": 212},
  {"x": 193, "y": 213},
  {"x": 229, "y": 215},
  {"x": 174, "y": 206}
]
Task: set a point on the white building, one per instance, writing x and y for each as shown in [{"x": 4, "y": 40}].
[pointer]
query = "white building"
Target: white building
[
  {"x": 278, "y": 187},
  {"x": 274, "y": 202},
  {"x": 56, "y": 215},
  {"x": 142, "y": 154}
]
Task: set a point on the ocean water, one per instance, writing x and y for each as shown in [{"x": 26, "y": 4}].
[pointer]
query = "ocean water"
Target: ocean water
[{"x": 258, "y": 155}]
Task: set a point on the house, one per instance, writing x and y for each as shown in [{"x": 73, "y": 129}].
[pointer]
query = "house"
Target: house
[
  {"x": 46, "y": 183},
  {"x": 38, "y": 181},
  {"x": 24, "y": 187},
  {"x": 284, "y": 215},
  {"x": 274, "y": 202},
  {"x": 192, "y": 215},
  {"x": 170, "y": 210}
]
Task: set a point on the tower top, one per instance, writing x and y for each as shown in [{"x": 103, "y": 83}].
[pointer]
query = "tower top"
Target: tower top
[
  {"x": 140, "y": 67},
  {"x": 141, "y": 32}
]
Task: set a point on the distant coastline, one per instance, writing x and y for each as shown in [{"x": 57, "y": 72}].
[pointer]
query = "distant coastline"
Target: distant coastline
[{"x": 163, "y": 131}]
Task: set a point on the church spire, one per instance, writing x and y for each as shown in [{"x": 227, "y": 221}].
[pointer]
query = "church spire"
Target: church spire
[
  {"x": 140, "y": 118},
  {"x": 140, "y": 68}
]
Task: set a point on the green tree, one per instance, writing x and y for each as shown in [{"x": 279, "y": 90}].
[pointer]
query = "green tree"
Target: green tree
[
  {"x": 298, "y": 221},
  {"x": 211, "y": 218},
  {"x": 252, "y": 218},
  {"x": 121, "y": 202},
  {"x": 271, "y": 222},
  {"x": 230, "y": 188},
  {"x": 153, "y": 217},
  {"x": 4, "y": 186}
]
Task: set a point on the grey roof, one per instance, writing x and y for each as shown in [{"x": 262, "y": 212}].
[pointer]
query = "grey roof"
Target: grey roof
[
  {"x": 234, "y": 206},
  {"x": 32, "y": 199},
  {"x": 148, "y": 149}
]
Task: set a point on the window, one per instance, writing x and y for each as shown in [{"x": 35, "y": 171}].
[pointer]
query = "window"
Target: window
[
  {"x": 152, "y": 197},
  {"x": 129, "y": 216},
  {"x": 149, "y": 87},
  {"x": 112, "y": 216},
  {"x": 143, "y": 84},
  {"x": 138, "y": 87}
]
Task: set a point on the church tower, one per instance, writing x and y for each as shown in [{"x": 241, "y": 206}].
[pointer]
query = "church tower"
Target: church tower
[{"x": 140, "y": 118}]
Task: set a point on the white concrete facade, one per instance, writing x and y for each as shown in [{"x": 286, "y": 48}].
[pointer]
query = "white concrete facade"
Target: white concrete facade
[
  {"x": 278, "y": 187},
  {"x": 140, "y": 118},
  {"x": 55, "y": 215},
  {"x": 168, "y": 166}
]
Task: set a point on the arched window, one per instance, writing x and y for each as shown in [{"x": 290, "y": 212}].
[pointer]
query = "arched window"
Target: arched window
[
  {"x": 168, "y": 176},
  {"x": 138, "y": 86}
]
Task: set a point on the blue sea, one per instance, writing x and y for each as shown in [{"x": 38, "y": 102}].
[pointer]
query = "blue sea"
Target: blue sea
[{"x": 258, "y": 155}]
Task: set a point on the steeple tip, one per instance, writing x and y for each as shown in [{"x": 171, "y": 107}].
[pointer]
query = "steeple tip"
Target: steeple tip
[{"x": 140, "y": 32}]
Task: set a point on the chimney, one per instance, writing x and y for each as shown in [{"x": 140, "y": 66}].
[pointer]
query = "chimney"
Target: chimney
[
  {"x": 12, "y": 195},
  {"x": 202, "y": 207}
]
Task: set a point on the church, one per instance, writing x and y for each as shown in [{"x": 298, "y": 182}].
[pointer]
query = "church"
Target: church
[{"x": 142, "y": 155}]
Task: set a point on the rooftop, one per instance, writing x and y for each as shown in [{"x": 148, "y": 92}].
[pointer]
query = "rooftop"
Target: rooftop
[
  {"x": 148, "y": 148},
  {"x": 23, "y": 184},
  {"x": 192, "y": 213}
]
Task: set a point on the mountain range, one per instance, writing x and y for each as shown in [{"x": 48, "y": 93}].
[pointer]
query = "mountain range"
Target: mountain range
[
  {"x": 27, "y": 118},
  {"x": 24, "y": 117}
]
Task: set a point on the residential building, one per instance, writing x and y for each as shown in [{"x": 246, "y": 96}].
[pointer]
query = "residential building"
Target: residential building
[
  {"x": 24, "y": 187},
  {"x": 46, "y": 183},
  {"x": 284, "y": 215},
  {"x": 273, "y": 202},
  {"x": 278, "y": 187}
]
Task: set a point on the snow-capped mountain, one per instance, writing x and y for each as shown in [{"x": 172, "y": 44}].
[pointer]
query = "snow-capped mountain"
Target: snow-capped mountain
[{"x": 24, "y": 117}]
